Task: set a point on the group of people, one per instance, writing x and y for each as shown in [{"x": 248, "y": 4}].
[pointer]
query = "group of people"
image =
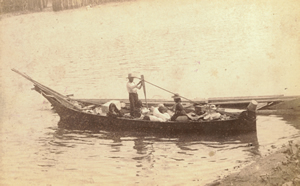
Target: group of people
[{"x": 159, "y": 113}]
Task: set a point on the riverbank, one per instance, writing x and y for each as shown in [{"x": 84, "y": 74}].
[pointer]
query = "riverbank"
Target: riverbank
[{"x": 279, "y": 168}]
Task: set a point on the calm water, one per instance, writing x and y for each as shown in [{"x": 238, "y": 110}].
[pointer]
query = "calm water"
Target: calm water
[
  {"x": 35, "y": 152},
  {"x": 187, "y": 47}
]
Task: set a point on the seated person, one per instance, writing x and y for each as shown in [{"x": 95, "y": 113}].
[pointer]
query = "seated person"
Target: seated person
[
  {"x": 113, "y": 111},
  {"x": 140, "y": 110},
  {"x": 250, "y": 113},
  {"x": 179, "y": 111}
]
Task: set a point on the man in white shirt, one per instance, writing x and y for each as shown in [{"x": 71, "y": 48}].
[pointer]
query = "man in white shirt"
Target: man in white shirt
[{"x": 133, "y": 96}]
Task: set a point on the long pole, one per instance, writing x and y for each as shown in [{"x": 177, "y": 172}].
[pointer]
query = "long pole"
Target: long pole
[
  {"x": 144, "y": 88},
  {"x": 166, "y": 90}
]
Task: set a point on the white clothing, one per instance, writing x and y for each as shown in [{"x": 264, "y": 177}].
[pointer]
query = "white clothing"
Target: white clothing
[
  {"x": 144, "y": 110},
  {"x": 158, "y": 114},
  {"x": 167, "y": 116},
  {"x": 154, "y": 118},
  {"x": 131, "y": 87},
  {"x": 212, "y": 116}
]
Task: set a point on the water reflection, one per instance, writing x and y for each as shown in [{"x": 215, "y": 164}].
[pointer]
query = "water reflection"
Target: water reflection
[
  {"x": 141, "y": 146},
  {"x": 143, "y": 155},
  {"x": 139, "y": 156},
  {"x": 146, "y": 143},
  {"x": 140, "y": 137}
]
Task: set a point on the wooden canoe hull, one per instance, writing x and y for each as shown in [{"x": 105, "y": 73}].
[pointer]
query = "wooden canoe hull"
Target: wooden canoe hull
[{"x": 73, "y": 119}]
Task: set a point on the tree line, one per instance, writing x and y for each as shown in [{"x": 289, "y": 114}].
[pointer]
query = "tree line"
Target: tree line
[
  {"x": 58, "y": 5},
  {"x": 22, "y": 5},
  {"x": 39, "y": 5}
]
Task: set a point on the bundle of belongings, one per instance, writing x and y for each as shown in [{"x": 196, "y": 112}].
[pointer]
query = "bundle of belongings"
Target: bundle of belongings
[
  {"x": 207, "y": 112},
  {"x": 154, "y": 113},
  {"x": 211, "y": 113},
  {"x": 110, "y": 108},
  {"x": 163, "y": 114},
  {"x": 159, "y": 113}
]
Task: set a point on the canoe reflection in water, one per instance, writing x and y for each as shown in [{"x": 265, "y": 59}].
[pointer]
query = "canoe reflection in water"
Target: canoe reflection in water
[
  {"x": 144, "y": 156},
  {"x": 143, "y": 141}
]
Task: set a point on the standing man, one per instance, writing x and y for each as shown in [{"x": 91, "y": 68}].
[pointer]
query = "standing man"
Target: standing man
[{"x": 133, "y": 96}]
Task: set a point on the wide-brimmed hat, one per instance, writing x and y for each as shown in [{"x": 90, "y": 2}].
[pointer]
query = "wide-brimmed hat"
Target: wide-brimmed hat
[
  {"x": 130, "y": 76},
  {"x": 176, "y": 96}
]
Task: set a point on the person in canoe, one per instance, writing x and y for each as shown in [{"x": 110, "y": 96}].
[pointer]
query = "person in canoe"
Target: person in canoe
[
  {"x": 179, "y": 111},
  {"x": 113, "y": 111},
  {"x": 139, "y": 109},
  {"x": 133, "y": 96}
]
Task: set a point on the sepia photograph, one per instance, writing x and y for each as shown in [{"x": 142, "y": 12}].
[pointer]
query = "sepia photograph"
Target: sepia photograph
[{"x": 149, "y": 92}]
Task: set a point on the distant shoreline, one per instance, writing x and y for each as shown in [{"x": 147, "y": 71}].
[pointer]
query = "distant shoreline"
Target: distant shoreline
[
  {"x": 53, "y": 5},
  {"x": 24, "y": 12}
]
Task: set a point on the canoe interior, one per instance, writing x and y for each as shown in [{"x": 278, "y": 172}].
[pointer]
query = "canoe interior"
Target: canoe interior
[{"x": 73, "y": 119}]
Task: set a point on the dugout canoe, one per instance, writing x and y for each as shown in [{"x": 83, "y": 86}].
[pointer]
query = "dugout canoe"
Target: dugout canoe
[{"x": 72, "y": 117}]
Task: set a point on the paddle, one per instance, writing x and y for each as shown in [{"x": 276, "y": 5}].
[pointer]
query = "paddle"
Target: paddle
[{"x": 144, "y": 88}]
